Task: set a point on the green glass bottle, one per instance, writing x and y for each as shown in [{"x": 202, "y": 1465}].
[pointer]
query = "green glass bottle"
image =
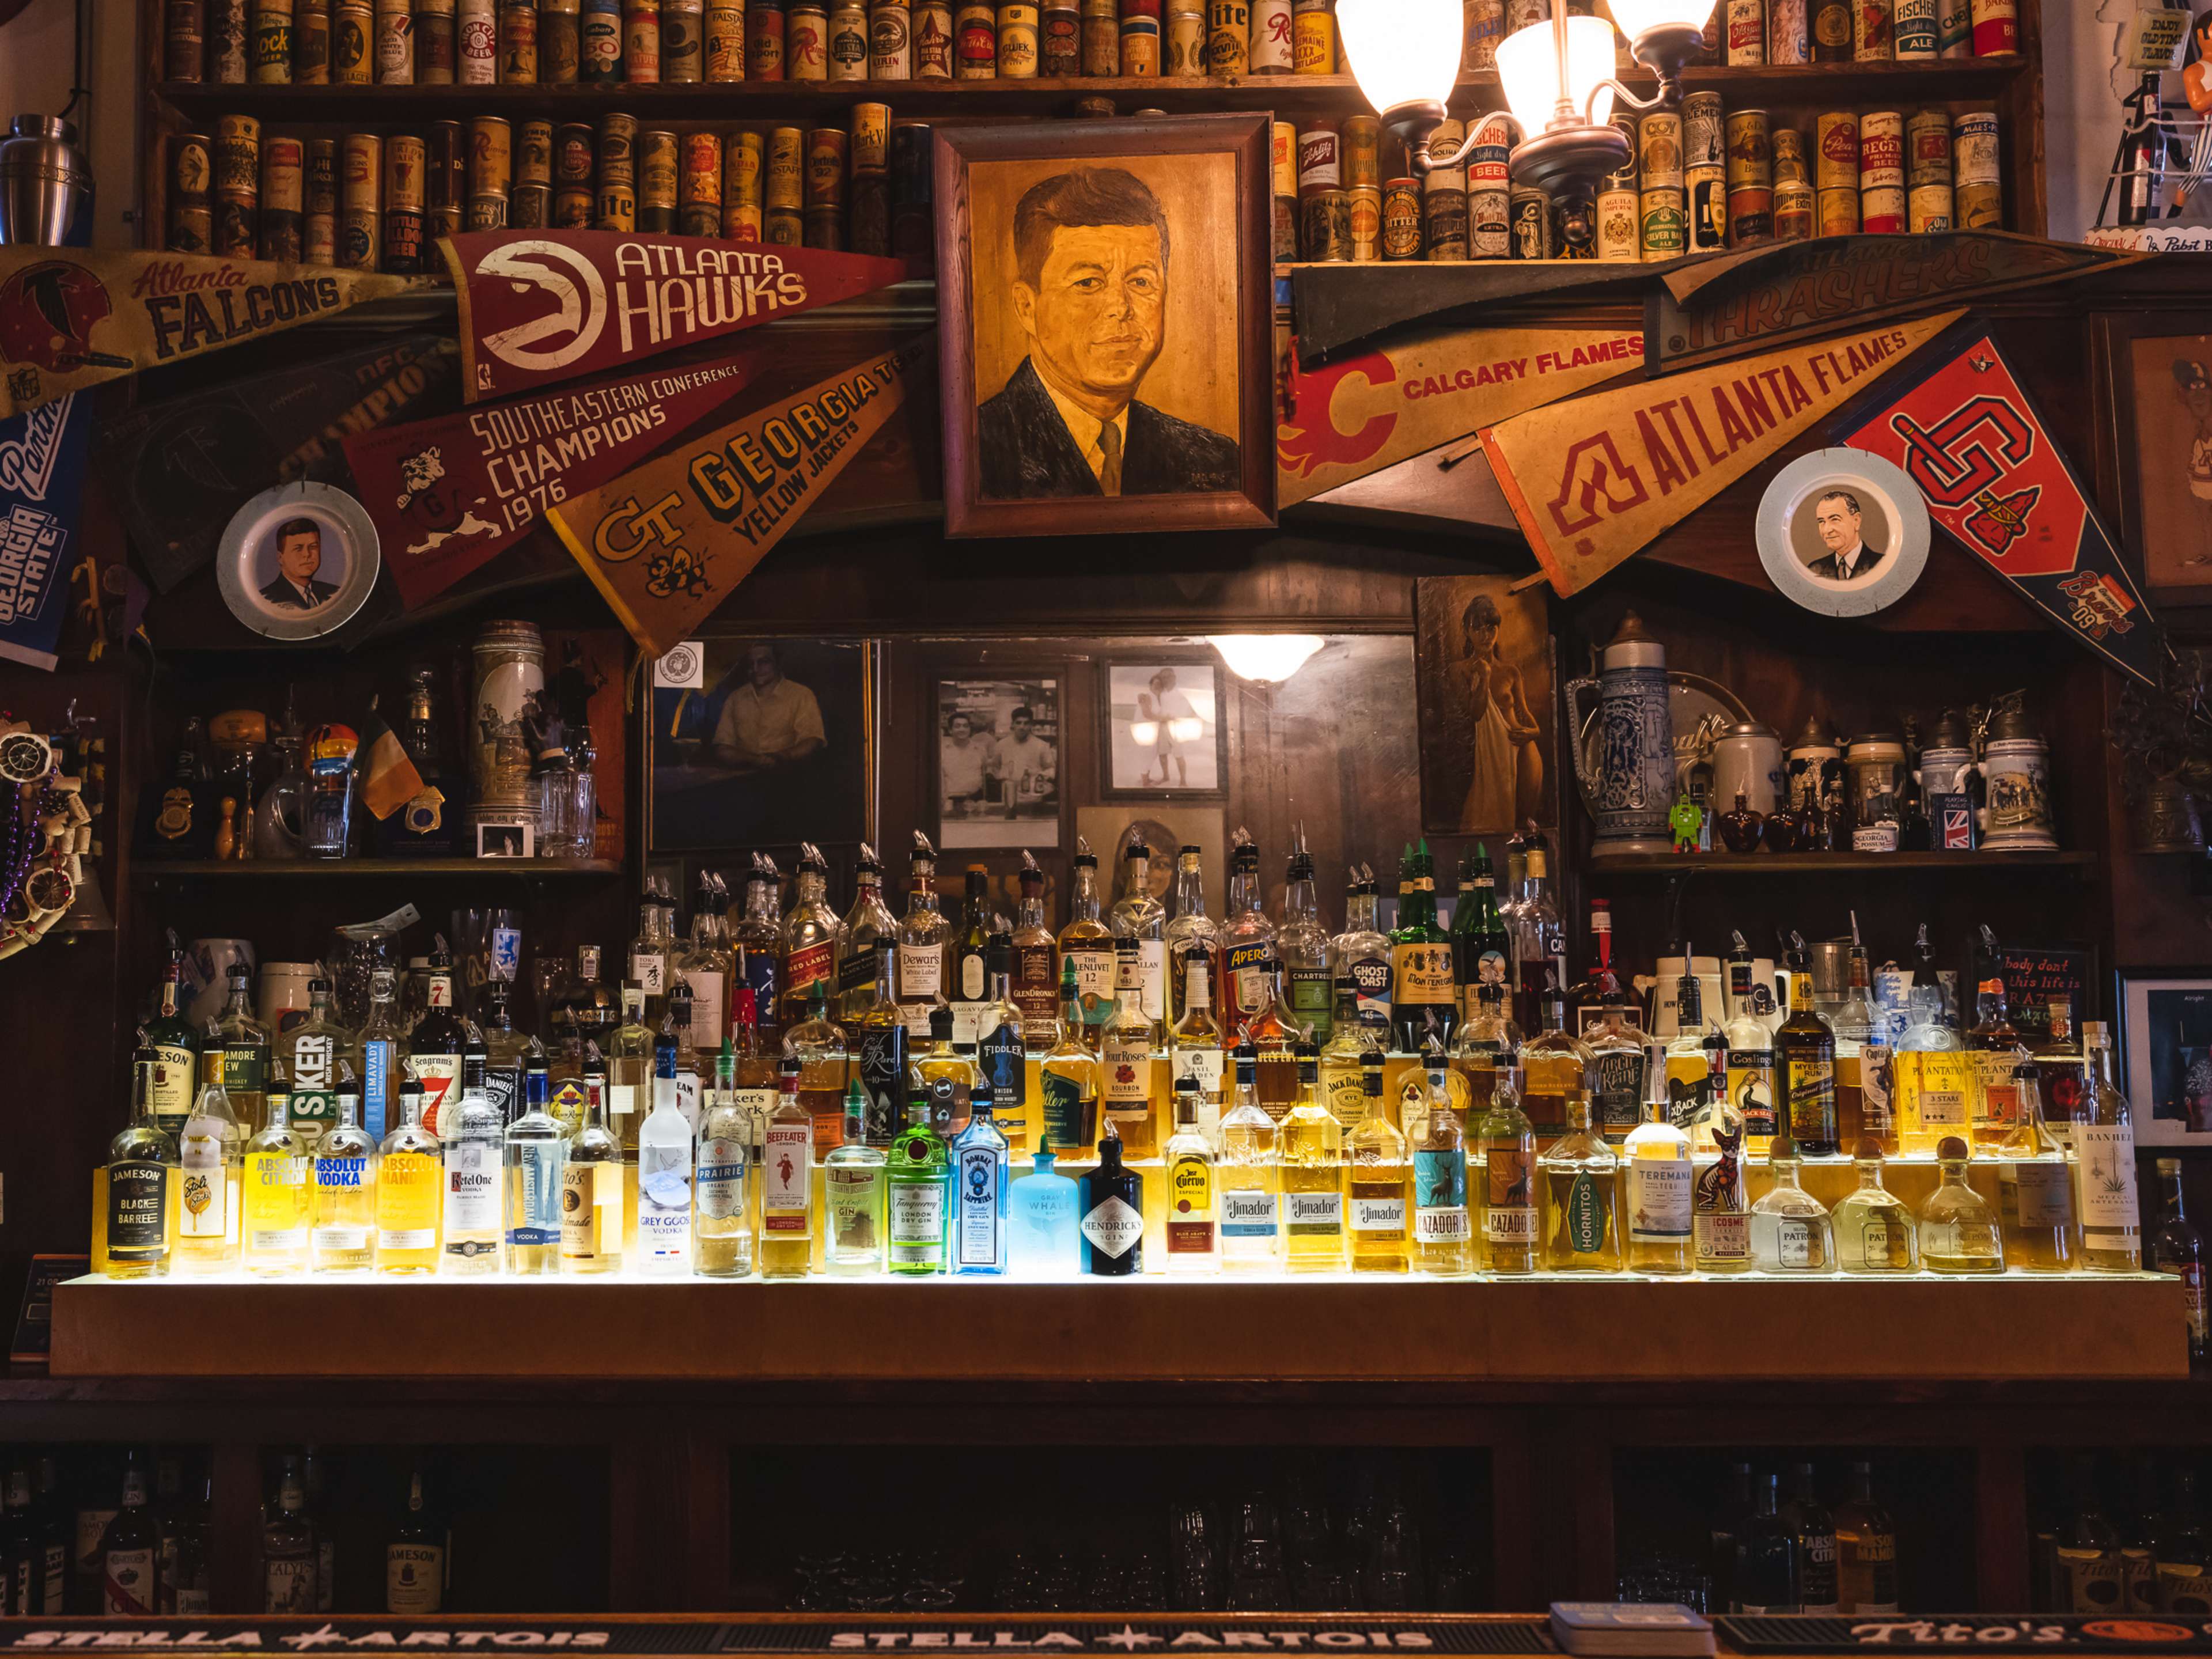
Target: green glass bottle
[
  {"x": 1482, "y": 950},
  {"x": 1424, "y": 999},
  {"x": 916, "y": 1173}
]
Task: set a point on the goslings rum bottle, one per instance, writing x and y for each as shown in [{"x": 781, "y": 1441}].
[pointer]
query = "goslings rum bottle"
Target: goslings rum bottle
[
  {"x": 1376, "y": 1179},
  {"x": 1313, "y": 1176},
  {"x": 408, "y": 1180}
]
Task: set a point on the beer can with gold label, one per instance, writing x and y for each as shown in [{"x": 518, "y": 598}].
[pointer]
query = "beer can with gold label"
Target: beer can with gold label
[
  {"x": 1837, "y": 209},
  {"x": 726, "y": 42},
  {"x": 1913, "y": 30},
  {"x": 1059, "y": 40},
  {"x": 518, "y": 43},
  {"x": 238, "y": 154},
  {"x": 682, "y": 41},
  {"x": 1402, "y": 219},
  {"x": 1659, "y": 151},
  {"x": 1704, "y": 129},
  {"x": 1313, "y": 37},
  {"x": 617, "y": 148},
  {"x": 1531, "y": 220},
  {"x": 1750, "y": 159},
  {"x": 871, "y": 138},
  {"x": 1789, "y": 31},
  {"x": 352, "y": 27},
  {"x": 975, "y": 29},
  {"x": 1615, "y": 217},
  {"x": 1185, "y": 52},
  {"x": 572, "y": 207},
  {"x": 1836, "y": 152},
  {"x": 1228, "y": 38},
  {"x": 785, "y": 179},
  {"x": 311, "y": 46},
  {"x": 932, "y": 40},
  {"x": 783, "y": 228},
  {"x": 1283, "y": 172},
  {"x": 1273, "y": 49},
  {"x": 318, "y": 219},
  {"x": 405, "y": 162},
  {"x": 1789, "y": 146},
  {"x": 1325, "y": 227},
  {"x": 475, "y": 45},
  {"x": 1663, "y": 233},
  {"x": 806, "y": 41},
  {"x": 436, "y": 42},
  {"x": 699, "y": 198},
  {"x": 1743, "y": 33},
  {"x": 269, "y": 43},
  {"x": 660, "y": 171},
  {"x": 1870, "y": 31},
  {"x": 1929, "y": 208},
  {"x": 641, "y": 42},
  {"x": 828, "y": 158},
  {"x": 1793, "y": 211},
  {"x": 614, "y": 206},
  {"x": 530, "y": 207},
  {"x": 392, "y": 48},
  {"x": 741, "y": 187},
  {"x": 1832, "y": 30},
  {"x": 764, "y": 29},
  {"x": 1099, "y": 37},
  {"x": 1444, "y": 220},
  {"x": 278, "y": 228},
  {"x": 491, "y": 157},
  {"x": 1363, "y": 152},
  {"x": 742, "y": 221},
  {"x": 1366, "y": 202},
  {"x": 533, "y": 155},
  {"x": 183, "y": 43},
  {"x": 1140, "y": 44},
  {"x": 558, "y": 41},
  {"x": 1977, "y": 207},
  {"x": 360, "y": 188},
  {"x": 890, "y": 41},
  {"x": 848, "y": 40}
]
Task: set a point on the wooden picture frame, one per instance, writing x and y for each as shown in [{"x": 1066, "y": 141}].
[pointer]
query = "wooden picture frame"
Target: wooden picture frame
[
  {"x": 2164, "y": 1019},
  {"x": 1014, "y": 805},
  {"x": 1465, "y": 791},
  {"x": 1116, "y": 779},
  {"x": 2128, "y": 443},
  {"x": 1012, "y": 467}
]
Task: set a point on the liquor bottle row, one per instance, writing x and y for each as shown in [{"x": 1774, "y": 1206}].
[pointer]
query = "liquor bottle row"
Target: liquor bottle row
[
  {"x": 1773, "y": 1545},
  {"x": 381, "y": 201},
  {"x": 2123, "y": 1535}
]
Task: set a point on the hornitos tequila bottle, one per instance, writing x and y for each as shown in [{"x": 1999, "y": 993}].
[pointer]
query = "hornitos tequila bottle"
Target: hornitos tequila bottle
[
  {"x": 1505, "y": 1151},
  {"x": 1313, "y": 1176},
  {"x": 2104, "y": 1151},
  {"x": 1959, "y": 1230},
  {"x": 536, "y": 1157},
  {"x": 852, "y": 1184},
  {"x": 1874, "y": 1229},
  {"x": 592, "y": 1184},
  {"x": 207, "y": 1156},
  {"x": 273, "y": 1221},
  {"x": 1250, "y": 1176},
  {"x": 722, "y": 1231},
  {"x": 787, "y": 1237},
  {"x": 408, "y": 1181},
  {"x": 142, "y": 1162},
  {"x": 343, "y": 1236},
  {"x": 1790, "y": 1231},
  {"x": 1377, "y": 1174},
  {"x": 471, "y": 1157},
  {"x": 1581, "y": 1220}
]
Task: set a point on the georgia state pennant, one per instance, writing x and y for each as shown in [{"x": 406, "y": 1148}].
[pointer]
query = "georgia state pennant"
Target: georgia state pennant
[{"x": 1971, "y": 438}]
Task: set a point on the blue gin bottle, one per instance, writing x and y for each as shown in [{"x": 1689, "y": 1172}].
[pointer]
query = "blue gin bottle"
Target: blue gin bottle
[
  {"x": 979, "y": 1190},
  {"x": 1042, "y": 1242}
]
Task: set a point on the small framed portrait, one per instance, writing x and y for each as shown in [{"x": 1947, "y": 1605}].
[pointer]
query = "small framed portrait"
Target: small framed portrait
[
  {"x": 506, "y": 840},
  {"x": 1163, "y": 736},
  {"x": 297, "y": 562},
  {"x": 1843, "y": 532},
  {"x": 759, "y": 742},
  {"x": 1489, "y": 732},
  {"x": 997, "y": 762},
  {"x": 2166, "y": 1052},
  {"x": 1106, "y": 293}
]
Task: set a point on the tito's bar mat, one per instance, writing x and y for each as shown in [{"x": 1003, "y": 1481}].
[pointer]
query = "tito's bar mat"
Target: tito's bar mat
[{"x": 1946, "y": 1632}]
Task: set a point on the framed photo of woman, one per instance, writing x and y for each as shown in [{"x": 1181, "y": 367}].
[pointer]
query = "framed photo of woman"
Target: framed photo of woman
[{"x": 1484, "y": 674}]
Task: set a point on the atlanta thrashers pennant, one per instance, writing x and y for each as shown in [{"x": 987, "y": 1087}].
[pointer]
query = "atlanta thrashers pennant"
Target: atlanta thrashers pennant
[
  {"x": 1594, "y": 478},
  {"x": 552, "y": 304},
  {"x": 70, "y": 318},
  {"x": 1344, "y": 420},
  {"x": 448, "y": 494},
  {"x": 1971, "y": 437},
  {"x": 667, "y": 543}
]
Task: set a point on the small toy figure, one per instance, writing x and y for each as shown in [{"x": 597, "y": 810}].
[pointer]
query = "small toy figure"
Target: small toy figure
[
  {"x": 2196, "y": 78},
  {"x": 1687, "y": 823}
]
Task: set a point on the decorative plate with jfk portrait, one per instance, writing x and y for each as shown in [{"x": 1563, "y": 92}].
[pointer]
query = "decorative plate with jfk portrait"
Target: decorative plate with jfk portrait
[
  {"x": 1843, "y": 532},
  {"x": 298, "y": 560}
]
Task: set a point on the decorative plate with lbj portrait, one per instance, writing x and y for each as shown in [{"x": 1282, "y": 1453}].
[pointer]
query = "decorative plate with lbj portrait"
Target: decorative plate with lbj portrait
[
  {"x": 298, "y": 560},
  {"x": 1843, "y": 532}
]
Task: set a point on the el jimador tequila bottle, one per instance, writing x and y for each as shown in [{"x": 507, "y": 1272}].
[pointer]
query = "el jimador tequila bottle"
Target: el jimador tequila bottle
[{"x": 1313, "y": 1176}]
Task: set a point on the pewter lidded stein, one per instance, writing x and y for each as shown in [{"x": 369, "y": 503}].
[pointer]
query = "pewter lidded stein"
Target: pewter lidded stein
[
  {"x": 1627, "y": 775},
  {"x": 45, "y": 186}
]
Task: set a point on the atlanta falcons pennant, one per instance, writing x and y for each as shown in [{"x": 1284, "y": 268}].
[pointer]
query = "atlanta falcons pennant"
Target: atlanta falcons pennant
[{"x": 1971, "y": 437}]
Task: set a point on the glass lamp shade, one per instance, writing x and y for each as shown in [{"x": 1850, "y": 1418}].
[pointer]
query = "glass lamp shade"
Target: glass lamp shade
[
  {"x": 1530, "y": 67},
  {"x": 1268, "y": 659},
  {"x": 1401, "y": 52},
  {"x": 1639, "y": 17}
]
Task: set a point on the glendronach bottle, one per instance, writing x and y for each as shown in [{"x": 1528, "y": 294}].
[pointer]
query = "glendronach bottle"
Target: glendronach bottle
[
  {"x": 1087, "y": 944},
  {"x": 1035, "y": 962},
  {"x": 1111, "y": 1198}
]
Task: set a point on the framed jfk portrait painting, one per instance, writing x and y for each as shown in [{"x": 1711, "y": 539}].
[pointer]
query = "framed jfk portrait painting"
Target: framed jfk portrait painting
[{"x": 1105, "y": 306}]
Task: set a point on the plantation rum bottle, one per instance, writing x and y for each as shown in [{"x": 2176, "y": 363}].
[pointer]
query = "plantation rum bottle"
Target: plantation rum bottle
[
  {"x": 1139, "y": 916},
  {"x": 1251, "y": 1175},
  {"x": 273, "y": 1215},
  {"x": 407, "y": 1190},
  {"x": 1581, "y": 1219},
  {"x": 1125, "y": 1060},
  {"x": 866, "y": 925},
  {"x": 1505, "y": 1150},
  {"x": 1959, "y": 1230},
  {"x": 2035, "y": 1187},
  {"x": 1376, "y": 1177},
  {"x": 1067, "y": 1078},
  {"x": 1424, "y": 998},
  {"x": 1805, "y": 1058},
  {"x": 1302, "y": 944},
  {"x": 923, "y": 936},
  {"x": 1190, "y": 928},
  {"x": 208, "y": 1152},
  {"x": 1933, "y": 1092},
  {"x": 591, "y": 1182},
  {"x": 2104, "y": 1156},
  {"x": 1875, "y": 1229},
  {"x": 1444, "y": 1233},
  {"x": 1994, "y": 1051},
  {"x": 1554, "y": 1069},
  {"x": 1036, "y": 966},
  {"x": 1790, "y": 1230},
  {"x": 141, "y": 1165},
  {"x": 1657, "y": 1188},
  {"x": 342, "y": 1238},
  {"x": 1312, "y": 1144}
]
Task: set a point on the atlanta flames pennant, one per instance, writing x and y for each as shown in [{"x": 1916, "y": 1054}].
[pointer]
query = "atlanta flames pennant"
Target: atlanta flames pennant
[{"x": 1973, "y": 441}]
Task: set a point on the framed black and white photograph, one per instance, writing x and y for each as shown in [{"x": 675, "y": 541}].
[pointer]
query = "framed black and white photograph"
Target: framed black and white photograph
[
  {"x": 506, "y": 840},
  {"x": 1843, "y": 532},
  {"x": 759, "y": 742},
  {"x": 1163, "y": 736},
  {"x": 2166, "y": 1052},
  {"x": 997, "y": 762}
]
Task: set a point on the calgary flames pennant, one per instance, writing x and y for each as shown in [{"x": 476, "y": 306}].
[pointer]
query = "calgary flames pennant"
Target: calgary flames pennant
[{"x": 1970, "y": 436}]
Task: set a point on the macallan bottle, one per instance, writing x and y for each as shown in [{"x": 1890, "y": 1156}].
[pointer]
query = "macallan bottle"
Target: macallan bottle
[{"x": 1994, "y": 1050}]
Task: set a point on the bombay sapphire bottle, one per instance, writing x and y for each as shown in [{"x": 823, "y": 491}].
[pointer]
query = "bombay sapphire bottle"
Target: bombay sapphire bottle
[
  {"x": 1113, "y": 1205},
  {"x": 979, "y": 1181},
  {"x": 1043, "y": 1243}
]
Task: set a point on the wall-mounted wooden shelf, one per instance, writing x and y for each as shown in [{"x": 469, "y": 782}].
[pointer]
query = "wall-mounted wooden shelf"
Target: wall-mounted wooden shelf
[
  {"x": 363, "y": 869},
  {"x": 1833, "y": 864}
]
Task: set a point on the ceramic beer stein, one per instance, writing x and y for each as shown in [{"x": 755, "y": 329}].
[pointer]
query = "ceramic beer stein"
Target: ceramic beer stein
[{"x": 1629, "y": 782}]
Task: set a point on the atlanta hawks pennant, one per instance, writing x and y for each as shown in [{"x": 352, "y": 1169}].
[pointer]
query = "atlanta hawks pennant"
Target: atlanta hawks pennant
[
  {"x": 667, "y": 543},
  {"x": 1594, "y": 479},
  {"x": 448, "y": 494},
  {"x": 1971, "y": 438},
  {"x": 1344, "y": 420},
  {"x": 553, "y": 304},
  {"x": 70, "y": 318}
]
